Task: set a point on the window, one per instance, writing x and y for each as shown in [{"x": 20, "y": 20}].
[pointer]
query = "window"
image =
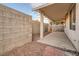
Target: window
[{"x": 73, "y": 17}]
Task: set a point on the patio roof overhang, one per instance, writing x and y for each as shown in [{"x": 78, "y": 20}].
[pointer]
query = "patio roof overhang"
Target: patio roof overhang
[
  {"x": 54, "y": 11},
  {"x": 37, "y": 6}
]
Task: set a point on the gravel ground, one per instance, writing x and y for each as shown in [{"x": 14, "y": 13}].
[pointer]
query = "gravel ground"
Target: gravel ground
[{"x": 35, "y": 49}]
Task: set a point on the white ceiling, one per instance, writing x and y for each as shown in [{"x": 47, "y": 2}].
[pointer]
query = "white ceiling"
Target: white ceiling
[{"x": 54, "y": 11}]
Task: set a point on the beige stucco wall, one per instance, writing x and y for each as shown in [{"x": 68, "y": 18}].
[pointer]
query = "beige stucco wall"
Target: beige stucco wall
[
  {"x": 73, "y": 35},
  {"x": 15, "y": 29},
  {"x": 46, "y": 27},
  {"x": 36, "y": 27}
]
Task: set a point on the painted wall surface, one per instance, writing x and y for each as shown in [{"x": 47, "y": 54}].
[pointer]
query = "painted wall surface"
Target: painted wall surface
[
  {"x": 46, "y": 27},
  {"x": 73, "y": 35},
  {"x": 15, "y": 29},
  {"x": 36, "y": 27}
]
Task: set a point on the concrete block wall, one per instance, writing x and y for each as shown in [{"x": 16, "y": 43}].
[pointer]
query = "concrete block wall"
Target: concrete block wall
[
  {"x": 59, "y": 28},
  {"x": 15, "y": 29}
]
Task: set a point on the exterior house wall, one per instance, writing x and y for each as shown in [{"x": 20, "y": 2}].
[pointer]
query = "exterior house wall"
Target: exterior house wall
[
  {"x": 15, "y": 29},
  {"x": 73, "y": 34}
]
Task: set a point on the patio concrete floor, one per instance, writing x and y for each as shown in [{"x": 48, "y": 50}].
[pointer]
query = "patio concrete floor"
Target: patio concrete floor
[{"x": 59, "y": 40}]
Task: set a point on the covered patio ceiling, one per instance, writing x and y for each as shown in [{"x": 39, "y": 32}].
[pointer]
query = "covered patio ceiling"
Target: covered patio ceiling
[{"x": 55, "y": 11}]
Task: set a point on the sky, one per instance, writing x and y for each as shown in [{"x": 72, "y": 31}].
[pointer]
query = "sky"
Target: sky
[{"x": 23, "y": 7}]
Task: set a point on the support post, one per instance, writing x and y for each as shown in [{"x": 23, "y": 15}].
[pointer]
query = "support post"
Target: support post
[
  {"x": 41, "y": 26},
  {"x": 49, "y": 26}
]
